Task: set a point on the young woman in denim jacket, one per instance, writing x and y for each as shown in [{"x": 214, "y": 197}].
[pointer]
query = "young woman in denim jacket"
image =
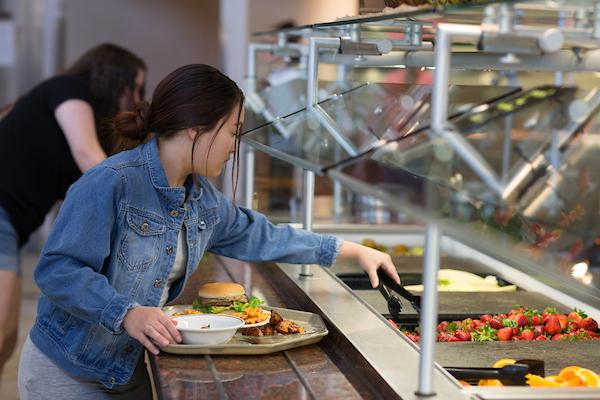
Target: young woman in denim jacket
[{"x": 133, "y": 229}]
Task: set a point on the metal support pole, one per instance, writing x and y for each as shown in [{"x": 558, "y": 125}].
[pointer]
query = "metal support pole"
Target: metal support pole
[
  {"x": 308, "y": 196},
  {"x": 429, "y": 305},
  {"x": 248, "y": 151}
]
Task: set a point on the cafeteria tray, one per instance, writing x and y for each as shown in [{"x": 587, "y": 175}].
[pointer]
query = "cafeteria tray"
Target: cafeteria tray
[{"x": 313, "y": 325}]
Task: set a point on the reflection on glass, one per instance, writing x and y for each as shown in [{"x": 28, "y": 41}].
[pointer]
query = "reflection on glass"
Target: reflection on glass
[
  {"x": 509, "y": 133},
  {"x": 555, "y": 224},
  {"x": 364, "y": 118}
]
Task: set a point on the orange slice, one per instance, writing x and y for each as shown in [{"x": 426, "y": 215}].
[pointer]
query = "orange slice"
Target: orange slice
[
  {"x": 503, "y": 362},
  {"x": 572, "y": 382},
  {"x": 538, "y": 381},
  {"x": 588, "y": 377},
  {"x": 569, "y": 373},
  {"x": 489, "y": 382}
]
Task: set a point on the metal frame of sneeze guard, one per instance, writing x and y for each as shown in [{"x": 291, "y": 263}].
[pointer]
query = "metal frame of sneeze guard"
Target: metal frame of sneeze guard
[{"x": 258, "y": 106}]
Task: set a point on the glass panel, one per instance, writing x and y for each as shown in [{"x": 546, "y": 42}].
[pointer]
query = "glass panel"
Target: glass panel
[
  {"x": 510, "y": 134},
  {"x": 274, "y": 102},
  {"x": 554, "y": 226},
  {"x": 362, "y": 118}
]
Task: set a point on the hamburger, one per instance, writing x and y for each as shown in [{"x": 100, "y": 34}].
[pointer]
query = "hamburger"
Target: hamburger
[
  {"x": 217, "y": 297},
  {"x": 221, "y": 294}
]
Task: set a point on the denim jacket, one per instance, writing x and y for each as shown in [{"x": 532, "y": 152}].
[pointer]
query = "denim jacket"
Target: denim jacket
[{"x": 114, "y": 243}]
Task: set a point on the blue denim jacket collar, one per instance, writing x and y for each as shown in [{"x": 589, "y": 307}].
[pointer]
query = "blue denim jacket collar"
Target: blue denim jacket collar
[{"x": 159, "y": 179}]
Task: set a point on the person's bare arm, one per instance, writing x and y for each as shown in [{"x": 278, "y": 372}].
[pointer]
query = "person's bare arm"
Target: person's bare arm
[
  {"x": 76, "y": 119},
  {"x": 370, "y": 260}
]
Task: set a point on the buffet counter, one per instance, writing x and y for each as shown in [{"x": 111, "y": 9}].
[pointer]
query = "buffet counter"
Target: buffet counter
[{"x": 321, "y": 371}]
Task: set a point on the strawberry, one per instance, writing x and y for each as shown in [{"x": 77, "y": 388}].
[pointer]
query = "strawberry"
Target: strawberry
[
  {"x": 589, "y": 324},
  {"x": 591, "y": 334},
  {"x": 485, "y": 318},
  {"x": 541, "y": 337},
  {"x": 547, "y": 312},
  {"x": 495, "y": 323},
  {"x": 553, "y": 325},
  {"x": 562, "y": 319},
  {"x": 505, "y": 334},
  {"x": 527, "y": 335},
  {"x": 539, "y": 330},
  {"x": 521, "y": 320},
  {"x": 462, "y": 336},
  {"x": 560, "y": 336},
  {"x": 572, "y": 326},
  {"x": 576, "y": 315},
  {"x": 442, "y": 326},
  {"x": 536, "y": 320}
]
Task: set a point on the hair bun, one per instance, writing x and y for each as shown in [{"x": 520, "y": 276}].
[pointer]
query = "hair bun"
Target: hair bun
[{"x": 134, "y": 124}]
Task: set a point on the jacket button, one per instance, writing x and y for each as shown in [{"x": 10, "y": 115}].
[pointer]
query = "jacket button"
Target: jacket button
[
  {"x": 145, "y": 227},
  {"x": 169, "y": 250},
  {"x": 158, "y": 283},
  {"x": 174, "y": 213},
  {"x": 202, "y": 225},
  {"x": 112, "y": 380},
  {"x": 128, "y": 348}
]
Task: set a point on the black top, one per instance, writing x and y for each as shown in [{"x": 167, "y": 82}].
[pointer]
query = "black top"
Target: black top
[{"x": 36, "y": 164}]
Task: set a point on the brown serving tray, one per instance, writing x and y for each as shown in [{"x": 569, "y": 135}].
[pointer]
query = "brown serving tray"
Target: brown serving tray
[{"x": 313, "y": 324}]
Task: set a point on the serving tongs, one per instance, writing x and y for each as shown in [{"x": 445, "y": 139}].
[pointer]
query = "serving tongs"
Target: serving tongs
[
  {"x": 394, "y": 304},
  {"x": 511, "y": 375}
]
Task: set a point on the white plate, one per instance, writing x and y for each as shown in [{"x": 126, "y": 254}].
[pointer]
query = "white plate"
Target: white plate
[{"x": 262, "y": 323}]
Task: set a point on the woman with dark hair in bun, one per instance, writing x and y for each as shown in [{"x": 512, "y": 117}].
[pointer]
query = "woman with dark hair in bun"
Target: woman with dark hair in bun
[
  {"x": 48, "y": 137},
  {"x": 134, "y": 228}
]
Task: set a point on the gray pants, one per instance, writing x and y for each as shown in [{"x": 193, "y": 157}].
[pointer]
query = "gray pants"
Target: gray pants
[{"x": 41, "y": 379}]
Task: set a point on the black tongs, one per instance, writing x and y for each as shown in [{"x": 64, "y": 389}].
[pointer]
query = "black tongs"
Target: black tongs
[
  {"x": 393, "y": 302},
  {"x": 512, "y": 374}
]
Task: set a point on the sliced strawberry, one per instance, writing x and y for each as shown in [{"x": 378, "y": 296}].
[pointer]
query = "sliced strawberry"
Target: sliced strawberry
[{"x": 539, "y": 330}]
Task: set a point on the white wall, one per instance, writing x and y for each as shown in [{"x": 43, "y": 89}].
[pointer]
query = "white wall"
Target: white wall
[{"x": 165, "y": 33}]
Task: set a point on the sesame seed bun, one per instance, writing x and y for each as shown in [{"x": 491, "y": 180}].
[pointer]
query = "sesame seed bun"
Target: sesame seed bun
[{"x": 221, "y": 293}]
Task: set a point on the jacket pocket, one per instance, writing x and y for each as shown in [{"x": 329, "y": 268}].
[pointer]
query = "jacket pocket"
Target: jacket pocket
[{"x": 140, "y": 245}]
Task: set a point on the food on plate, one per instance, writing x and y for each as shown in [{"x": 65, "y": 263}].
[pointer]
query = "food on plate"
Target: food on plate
[
  {"x": 519, "y": 323},
  {"x": 397, "y": 250},
  {"x": 221, "y": 294},
  {"x": 276, "y": 324},
  {"x": 187, "y": 311},
  {"x": 228, "y": 298},
  {"x": 451, "y": 280}
]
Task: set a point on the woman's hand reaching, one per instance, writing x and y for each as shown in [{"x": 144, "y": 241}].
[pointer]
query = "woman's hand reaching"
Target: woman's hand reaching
[
  {"x": 370, "y": 260},
  {"x": 150, "y": 323}
]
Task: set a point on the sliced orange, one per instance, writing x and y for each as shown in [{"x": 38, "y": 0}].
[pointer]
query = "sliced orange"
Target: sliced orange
[
  {"x": 503, "y": 362},
  {"x": 555, "y": 379},
  {"x": 588, "y": 377},
  {"x": 489, "y": 382},
  {"x": 538, "y": 381},
  {"x": 572, "y": 382},
  {"x": 569, "y": 373}
]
